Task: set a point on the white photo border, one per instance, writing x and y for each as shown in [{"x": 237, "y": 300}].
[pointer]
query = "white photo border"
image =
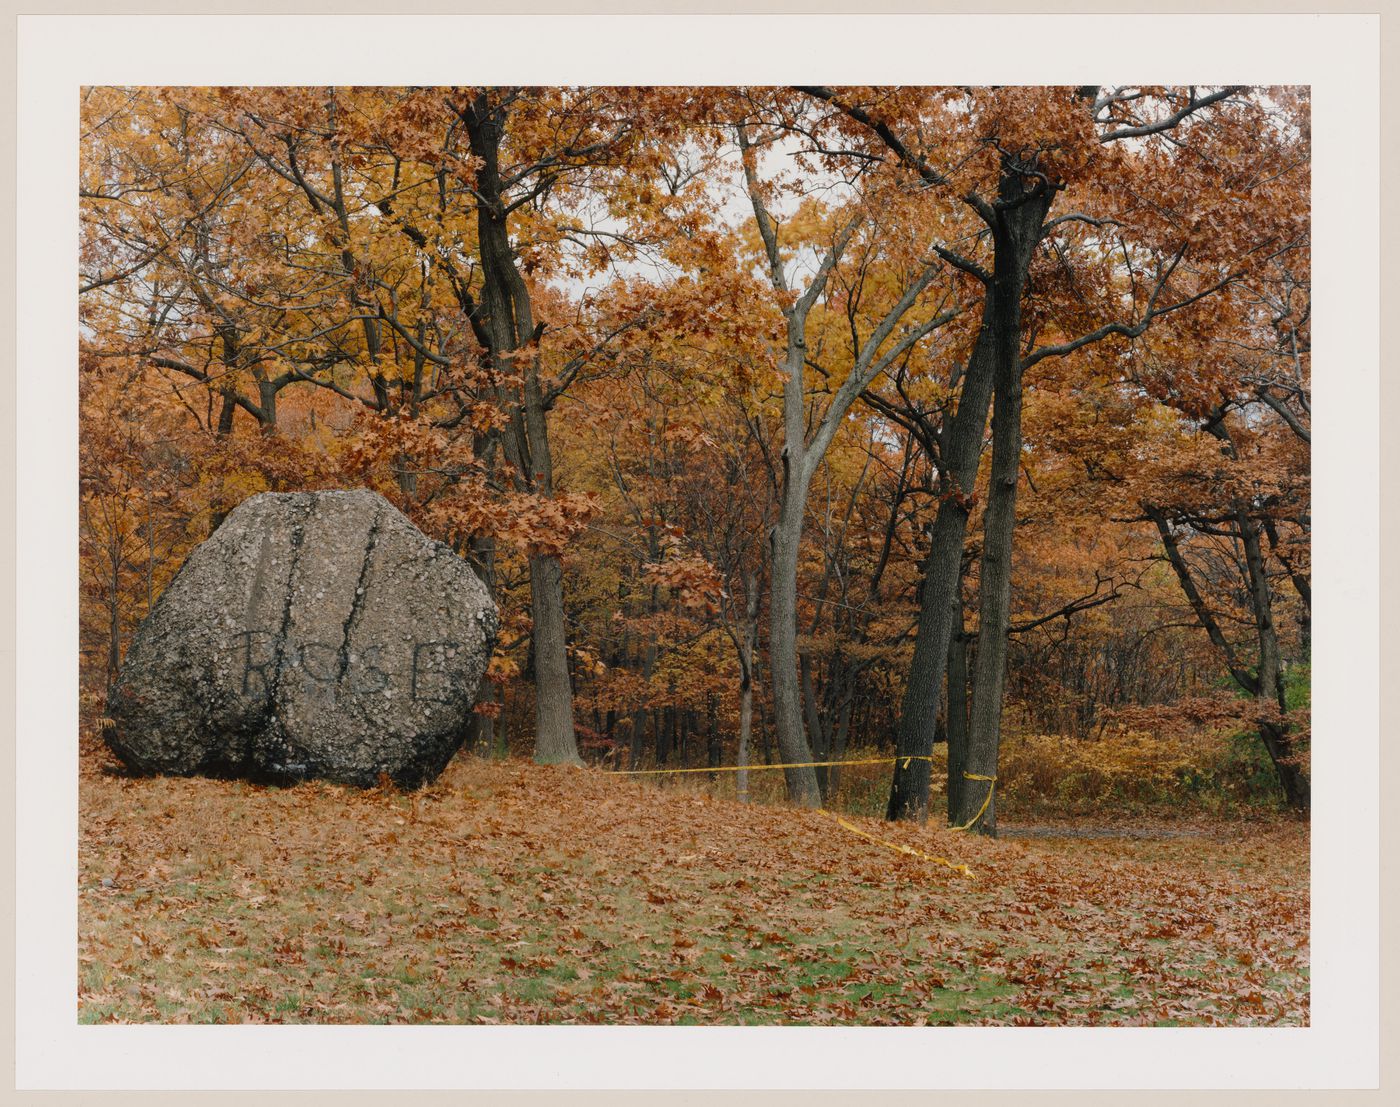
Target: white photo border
[{"x": 1337, "y": 55}]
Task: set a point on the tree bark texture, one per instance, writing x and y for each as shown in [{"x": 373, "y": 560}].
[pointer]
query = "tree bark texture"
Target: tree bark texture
[
  {"x": 509, "y": 324},
  {"x": 1016, "y": 228}
]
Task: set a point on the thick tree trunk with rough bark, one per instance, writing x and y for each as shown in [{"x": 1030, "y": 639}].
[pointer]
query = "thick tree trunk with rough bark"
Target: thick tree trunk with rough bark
[
  {"x": 940, "y": 602},
  {"x": 1016, "y": 223},
  {"x": 939, "y": 607},
  {"x": 554, "y": 737},
  {"x": 1017, "y": 237},
  {"x": 509, "y": 324},
  {"x": 976, "y": 806}
]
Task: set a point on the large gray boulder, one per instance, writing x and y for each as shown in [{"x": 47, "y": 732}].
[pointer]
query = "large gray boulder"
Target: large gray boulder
[{"x": 315, "y": 634}]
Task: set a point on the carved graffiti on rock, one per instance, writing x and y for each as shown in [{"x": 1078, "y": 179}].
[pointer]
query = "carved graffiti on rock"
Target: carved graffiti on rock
[{"x": 322, "y": 667}]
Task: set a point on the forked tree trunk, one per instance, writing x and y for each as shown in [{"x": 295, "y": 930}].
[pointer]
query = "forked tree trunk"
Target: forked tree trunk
[
  {"x": 996, "y": 357},
  {"x": 1016, "y": 238},
  {"x": 802, "y": 454},
  {"x": 509, "y": 324},
  {"x": 940, "y": 604}
]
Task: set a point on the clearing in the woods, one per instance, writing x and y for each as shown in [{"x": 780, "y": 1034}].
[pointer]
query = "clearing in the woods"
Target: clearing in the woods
[{"x": 507, "y": 892}]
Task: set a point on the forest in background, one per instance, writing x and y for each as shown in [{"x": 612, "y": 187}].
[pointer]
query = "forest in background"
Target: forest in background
[{"x": 782, "y": 423}]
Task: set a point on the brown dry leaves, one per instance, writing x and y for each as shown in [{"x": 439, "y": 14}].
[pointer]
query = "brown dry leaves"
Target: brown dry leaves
[{"x": 507, "y": 892}]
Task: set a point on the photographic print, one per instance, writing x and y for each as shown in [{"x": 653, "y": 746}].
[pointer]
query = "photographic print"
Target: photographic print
[{"x": 717, "y": 555}]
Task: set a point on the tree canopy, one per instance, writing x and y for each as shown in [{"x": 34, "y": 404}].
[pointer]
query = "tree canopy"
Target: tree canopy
[{"x": 780, "y": 422}]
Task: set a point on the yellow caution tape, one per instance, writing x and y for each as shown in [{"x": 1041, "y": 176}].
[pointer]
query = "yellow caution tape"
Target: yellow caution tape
[
  {"x": 899, "y": 847},
  {"x": 986, "y": 803},
  {"x": 786, "y": 765}
]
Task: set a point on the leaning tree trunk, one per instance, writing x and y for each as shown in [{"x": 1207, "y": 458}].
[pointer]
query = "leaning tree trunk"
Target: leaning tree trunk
[
  {"x": 1296, "y": 789},
  {"x": 939, "y": 605}
]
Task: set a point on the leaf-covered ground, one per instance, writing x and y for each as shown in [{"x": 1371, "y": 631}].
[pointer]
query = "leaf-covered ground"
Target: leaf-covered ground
[{"x": 507, "y": 892}]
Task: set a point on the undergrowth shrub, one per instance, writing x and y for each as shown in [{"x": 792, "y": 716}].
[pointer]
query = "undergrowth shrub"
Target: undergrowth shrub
[{"x": 1134, "y": 771}]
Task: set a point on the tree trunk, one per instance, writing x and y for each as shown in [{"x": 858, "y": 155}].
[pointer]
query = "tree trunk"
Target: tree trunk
[
  {"x": 763, "y": 738},
  {"x": 956, "y": 727},
  {"x": 554, "y": 711},
  {"x": 1018, "y": 234},
  {"x": 1296, "y": 789},
  {"x": 267, "y": 404},
  {"x": 996, "y": 357},
  {"x": 746, "y": 641},
  {"x": 977, "y": 806},
  {"x": 661, "y": 723},
  {"x": 713, "y": 753},
  {"x": 782, "y": 643},
  {"x": 554, "y": 703},
  {"x": 114, "y": 627},
  {"x": 639, "y": 717},
  {"x": 817, "y": 731},
  {"x": 845, "y": 706},
  {"x": 509, "y": 324},
  {"x": 940, "y": 604},
  {"x": 639, "y": 737}
]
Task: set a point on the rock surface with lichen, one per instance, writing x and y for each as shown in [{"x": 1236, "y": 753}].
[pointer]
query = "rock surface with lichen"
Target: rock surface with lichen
[{"x": 315, "y": 634}]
